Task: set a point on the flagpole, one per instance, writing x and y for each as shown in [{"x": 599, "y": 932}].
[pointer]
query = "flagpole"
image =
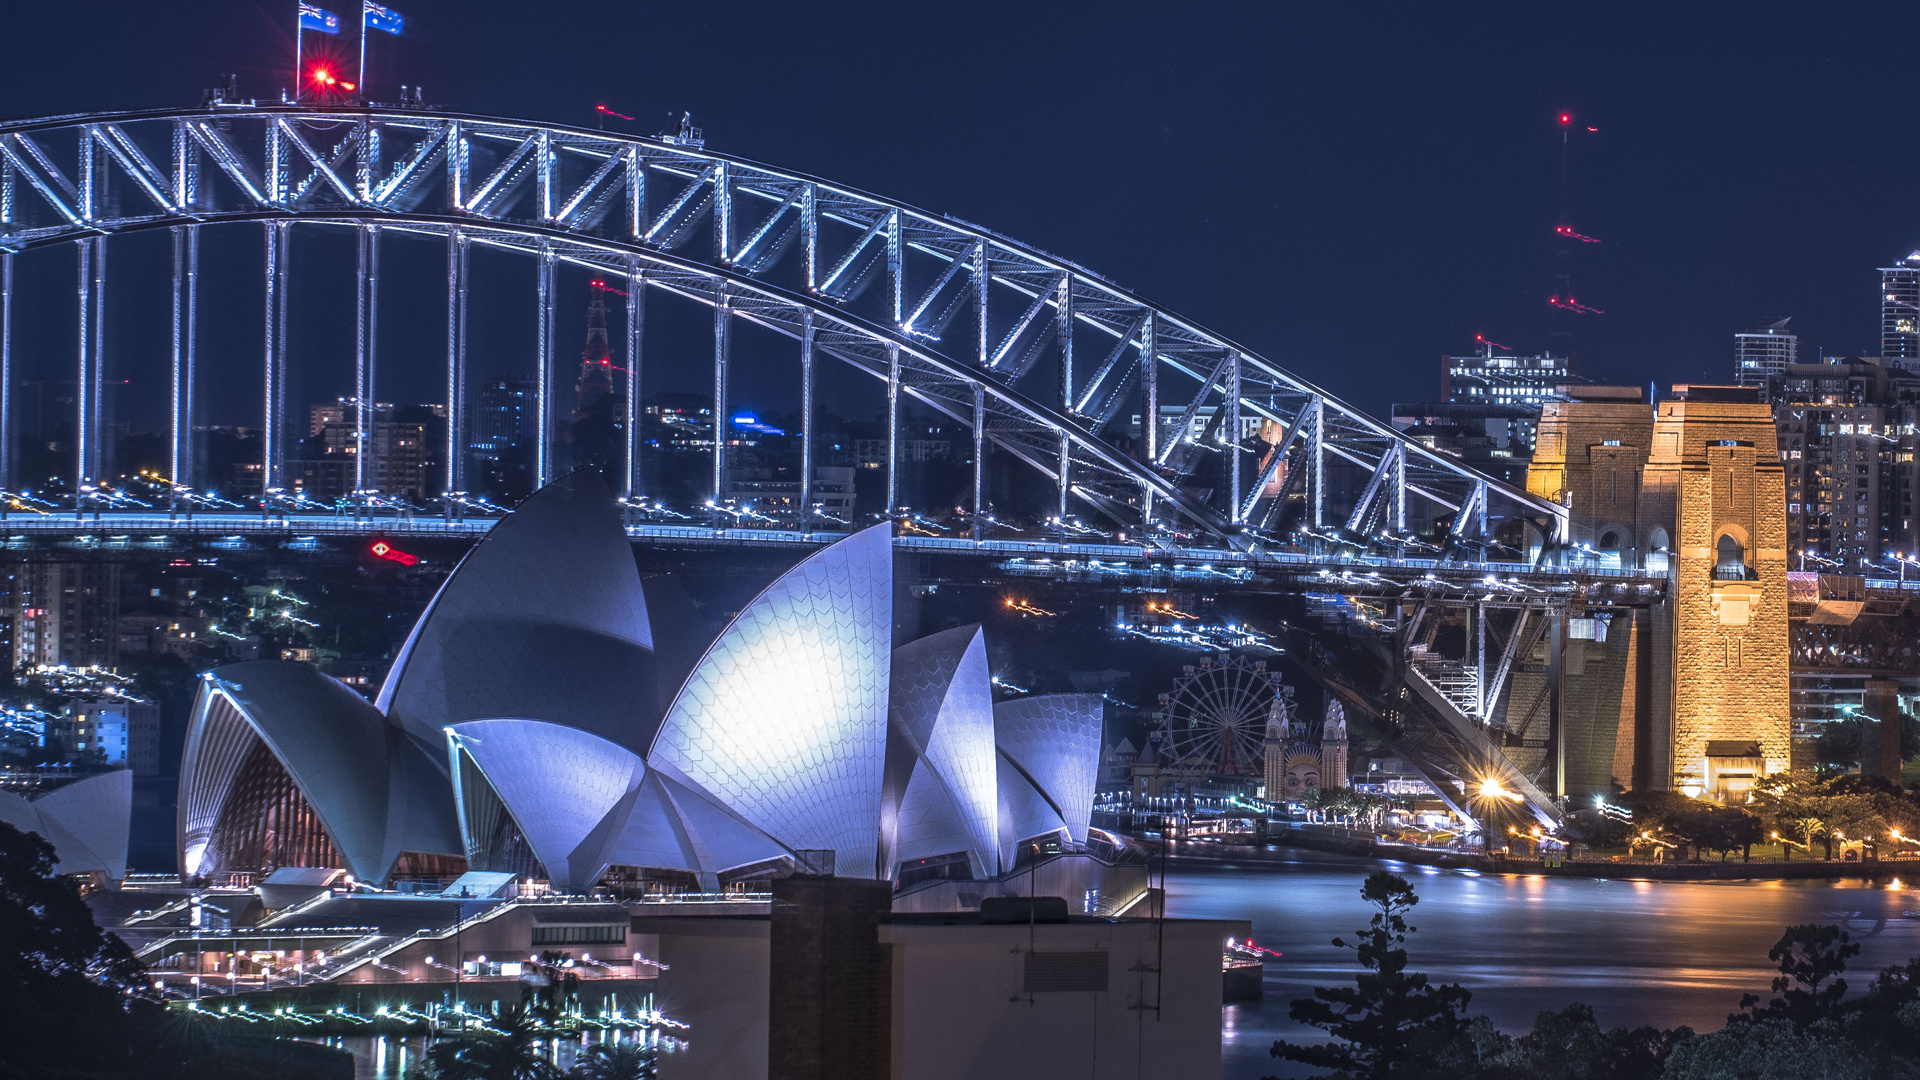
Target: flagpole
[
  {"x": 361, "y": 86},
  {"x": 299, "y": 50}
]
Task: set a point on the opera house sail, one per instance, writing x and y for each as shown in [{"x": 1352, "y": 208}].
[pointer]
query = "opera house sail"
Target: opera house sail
[{"x": 554, "y": 716}]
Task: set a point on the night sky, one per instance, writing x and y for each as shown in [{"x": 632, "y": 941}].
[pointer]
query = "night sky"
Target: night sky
[{"x": 1353, "y": 191}]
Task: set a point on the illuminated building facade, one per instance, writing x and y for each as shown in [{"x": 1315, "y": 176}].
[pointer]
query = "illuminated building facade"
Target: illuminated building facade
[
  {"x": 1847, "y": 433},
  {"x": 1900, "y": 312},
  {"x": 1503, "y": 379},
  {"x": 1759, "y": 355}
]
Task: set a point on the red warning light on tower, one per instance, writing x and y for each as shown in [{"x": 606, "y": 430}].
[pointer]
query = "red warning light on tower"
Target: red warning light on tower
[{"x": 383, "y": 550}]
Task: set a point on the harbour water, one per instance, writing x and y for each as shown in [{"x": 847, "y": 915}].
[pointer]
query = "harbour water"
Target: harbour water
[{"x": 1639, "y": 952}]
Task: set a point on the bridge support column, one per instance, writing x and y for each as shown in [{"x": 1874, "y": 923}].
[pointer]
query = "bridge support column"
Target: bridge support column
[
  {"x": 6, "y": 374},
  {"x": 634, "y": 487},
  {"x": 980, "y": 461},
  {"x": 1556, "y": 720},
  {"x": 893, "y": 426},
  {"x": 722, "y": 355},
  {"x": 186, "y": 304},
  {"x": 806, "y": 420},
  {"x": 543, "y": 391},
  {"x": 456, "y": 483},
  {"x": 1150, "y": 412},
  {"x": 1232, "y": 440},
  {"x": 83, "y": 434},
  {"x": 366, "y": 333},
  {"x": 273, "y": 429}
]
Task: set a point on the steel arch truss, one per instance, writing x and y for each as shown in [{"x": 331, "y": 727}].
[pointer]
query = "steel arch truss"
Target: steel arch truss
[{"x": 1149, "y": 419}]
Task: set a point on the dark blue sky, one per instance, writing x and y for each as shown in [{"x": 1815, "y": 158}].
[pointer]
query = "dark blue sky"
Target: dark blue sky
[{"x": 1352, "y": 190}]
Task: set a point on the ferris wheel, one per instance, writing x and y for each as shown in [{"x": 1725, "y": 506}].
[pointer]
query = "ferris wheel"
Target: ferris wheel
[{"x": 1215, "y": 718}]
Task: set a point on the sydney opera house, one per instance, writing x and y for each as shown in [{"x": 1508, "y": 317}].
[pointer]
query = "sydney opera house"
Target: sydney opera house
[{"x": 554, "y": 716}]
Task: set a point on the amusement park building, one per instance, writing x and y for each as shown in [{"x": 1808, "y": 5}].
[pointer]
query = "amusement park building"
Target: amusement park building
[{"x": 555, "y": 716}]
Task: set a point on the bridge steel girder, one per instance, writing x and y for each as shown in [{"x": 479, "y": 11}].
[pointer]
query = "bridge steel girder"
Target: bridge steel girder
[{"x": 877, "y": 276}]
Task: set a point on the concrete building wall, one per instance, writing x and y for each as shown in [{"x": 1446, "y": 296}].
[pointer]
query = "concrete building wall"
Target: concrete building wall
[{"x": 962, "y": 1011}]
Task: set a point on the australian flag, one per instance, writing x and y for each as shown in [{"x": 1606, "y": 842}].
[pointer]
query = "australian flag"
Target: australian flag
[
  {"x": 381, "y": 18},
  {"x": 314, "y": 18}
]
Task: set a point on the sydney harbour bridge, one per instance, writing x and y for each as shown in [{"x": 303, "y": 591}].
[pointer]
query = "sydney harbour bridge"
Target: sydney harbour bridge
[{"x": 1242, "y": 476}]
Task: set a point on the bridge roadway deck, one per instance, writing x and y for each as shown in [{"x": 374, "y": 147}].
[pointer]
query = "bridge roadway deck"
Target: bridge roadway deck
[{"x": 1065, "y": 560}]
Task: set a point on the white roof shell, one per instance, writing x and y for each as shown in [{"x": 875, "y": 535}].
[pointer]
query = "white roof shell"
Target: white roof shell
[
  {"x": 377, "y": 791},
  {"x": 942, "y": 793},
  {"x": 544, "y": 618},
  {"x": 784, "y": 719},
  {"x": 1053, "y": 741},
  {"x": 86, "y": 821}
]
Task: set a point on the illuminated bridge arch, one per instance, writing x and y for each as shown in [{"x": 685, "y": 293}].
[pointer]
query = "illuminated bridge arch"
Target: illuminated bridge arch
[{"x": 1034, "y": 354}]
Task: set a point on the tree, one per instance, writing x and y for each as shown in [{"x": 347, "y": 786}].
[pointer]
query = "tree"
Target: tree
[
  {"x": 1770, "y": 1049},
  {"x": 1391, "y": 1017},
  {"x": 71, "y": 993},
  {"x": 1838, "y": 744},
  {"x": 512, "y": 1050},
  {"x": 617, "y": 1061},
  {"x": 1808, "y": 956},
  {"x": 1571, "y": 1045}
]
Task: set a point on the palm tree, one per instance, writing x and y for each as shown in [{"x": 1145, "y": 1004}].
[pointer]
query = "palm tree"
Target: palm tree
[
  {"x": 510, "y": 1050},
  {"x": 626, "y": 1060}
]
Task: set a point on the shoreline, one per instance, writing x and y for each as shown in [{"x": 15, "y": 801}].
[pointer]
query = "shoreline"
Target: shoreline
[{"x": 1523, "y": 866}]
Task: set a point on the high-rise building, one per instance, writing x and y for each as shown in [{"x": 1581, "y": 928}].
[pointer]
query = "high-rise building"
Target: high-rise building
[
  {"x": 1900, "y": 312},
  {"x": 1503, "y": 379},
  {"x": 62, "y": 613},
  {"x": 1759, "y": 355},
  {"x": 505, "y": 416},
  {"x": 1847, "y": 439},
  {"x": 401, "y": 448}
]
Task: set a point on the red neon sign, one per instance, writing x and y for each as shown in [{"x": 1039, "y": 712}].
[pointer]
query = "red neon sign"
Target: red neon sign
[{"x": 387, "y": 551}]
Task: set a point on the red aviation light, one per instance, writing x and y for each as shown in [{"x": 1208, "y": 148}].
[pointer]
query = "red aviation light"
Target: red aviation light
[{"x": 383, "y": 550}]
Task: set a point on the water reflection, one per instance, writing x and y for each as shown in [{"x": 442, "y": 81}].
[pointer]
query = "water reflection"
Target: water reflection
[
  {"x": 1639, "y": 952},
  {"x": 391, "y": 1057}
]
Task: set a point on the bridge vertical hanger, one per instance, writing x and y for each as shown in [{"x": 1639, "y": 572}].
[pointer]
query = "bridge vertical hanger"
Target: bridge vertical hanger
[
  {"x": 1556, "y": 672},
  {"x": 1063, "y": 327},
  {"x": 1400, "y": 490},
  {"x": 7, "y": 184},
  {"x": 543, "y": 392},
  {"x": 186, "y": 297},
  {"x": 982, "y": 277},
  {"x": 634, "y": 487},
  {"x": 979, "y": 460},
  {"x": 84, "y": 251},
  {"x": 273, "y": 430},
  {"x": 723, "y": 212},
  {"x": 1232, "y": 438},
  {"x": 544, "y": 173},
  {"x": 810, "y": 235},
  {"x": 896, "y": 269},
  {"x": 98, "y": 374},
  {"x": 1064, "y": 479},
  {"x": 366, "y": 284},
  {"x": 636, "y": 194},
  {"x": 459, "y": 161},
  {"x": 1317, "y": 456},
  {"x": 1480, "y": 702},
  {"x": 893, "y": 426},
  {"x": 456, "y": 483},
  {"x": 806, "y": 420},
  {"x": 722, "y": 354},
  {"x": 1150, "y": 410},
  {"x": 6, "y": 368}
]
